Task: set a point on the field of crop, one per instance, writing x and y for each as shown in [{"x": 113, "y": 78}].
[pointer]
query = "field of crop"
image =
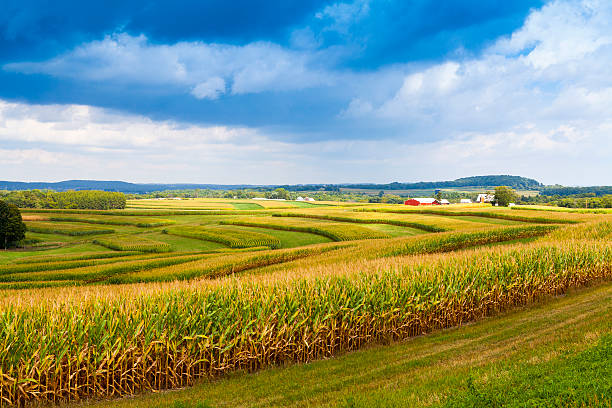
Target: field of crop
[
  {"x": 333, "y": 230},
  {"x": 174, "y": 292},
  {"x": 232, "y": 237},
  {"x": 142, "y": 222},
  {"x": 133, "y": 243},
  {"x": 65, "y": 229}
]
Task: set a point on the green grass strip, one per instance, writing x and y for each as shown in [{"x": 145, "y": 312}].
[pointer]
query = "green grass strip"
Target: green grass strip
[{"x": 575, "y": 380}]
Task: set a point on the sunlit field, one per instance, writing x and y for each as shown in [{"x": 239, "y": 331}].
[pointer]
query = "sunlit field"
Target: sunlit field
[{"x": 167, "y": 293}]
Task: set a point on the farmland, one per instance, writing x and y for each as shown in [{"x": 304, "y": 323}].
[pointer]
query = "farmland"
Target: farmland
[{"x": 167, "y": 294}]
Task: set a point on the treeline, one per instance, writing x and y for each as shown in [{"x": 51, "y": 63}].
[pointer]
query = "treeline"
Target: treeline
[
  {"x": 578, "y": 192},
  {"x": 86, "y": 199},
  {"x": 207, "y": 193},
  {"x": 585, "y": 200},
  {"x": 253, "y": 193}
]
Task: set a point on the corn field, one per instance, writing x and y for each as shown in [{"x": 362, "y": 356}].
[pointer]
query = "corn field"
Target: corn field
[
  {"x": 163, "y": 341},
  {"x": 143, "y": 222},
  {"x": 133, "y": 243},
  {"x": 401, "y": 223},
  {"x": 334, "y": 231},
  {"x": 233, "y": 238},
  {"x": 151, "y": 315},
  {"x": 484, "y": 214},
  {"x": 64, "y": 229}
]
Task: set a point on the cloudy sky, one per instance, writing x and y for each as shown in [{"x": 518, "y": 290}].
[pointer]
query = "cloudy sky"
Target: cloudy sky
[{"x": 306, "y": 91}]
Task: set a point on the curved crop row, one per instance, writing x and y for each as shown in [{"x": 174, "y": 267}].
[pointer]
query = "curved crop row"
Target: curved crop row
[
  {"x": 399, "y": 223},
  {"x": 336, "y": 232},
  {"x": 133, "y": 243},
  {"x": 101, "y": 272},
  {"x": 460, "y": 240},
  {"x": 566, "y": 210},
  {"x": 64, "y": 229},
  {"x": 223, "y": 265},
  {"x": 233, "y": 238},
  {"x": 483, "y": 214},
  {"x": 80, "y": 263},
  {"x": 137, "y": 222},
  {"x": 71, "y": 257}
]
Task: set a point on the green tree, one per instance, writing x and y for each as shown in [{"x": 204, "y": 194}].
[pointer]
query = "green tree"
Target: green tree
[
  {"x": 392, "y": 199},
  {"x": 504, "y": 196},
  {"x": 12, "y": 228},
  {"x": 279, "y": 193}
]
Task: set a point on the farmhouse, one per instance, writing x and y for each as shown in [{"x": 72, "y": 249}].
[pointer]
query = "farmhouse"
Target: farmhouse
[
  {"x": 485, "y": 198},
  {"x": 444, "y": 201},
  {"x": 421, "y": 201},
  {"x": 465, "y": 201}
]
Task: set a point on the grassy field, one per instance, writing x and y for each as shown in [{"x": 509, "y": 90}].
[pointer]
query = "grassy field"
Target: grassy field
[{"x": 167, "y": 293}]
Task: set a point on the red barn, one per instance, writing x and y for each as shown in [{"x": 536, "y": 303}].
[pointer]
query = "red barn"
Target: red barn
[{"x": 422, "y": 201}]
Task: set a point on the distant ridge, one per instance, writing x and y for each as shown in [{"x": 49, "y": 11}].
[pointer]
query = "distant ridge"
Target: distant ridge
[
  {"x": 121, "y": 186},
  {"x": 475, "y": 181},
  {"x": 125, "y": 187}
]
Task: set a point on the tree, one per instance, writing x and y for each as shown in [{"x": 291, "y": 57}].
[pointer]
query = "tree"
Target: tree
[
  {"x": 12, "y": 228},
  {"x": 279, "y": 193},
  {"x": 392, "y": 199},
  {"x": 504, "y": 196}
]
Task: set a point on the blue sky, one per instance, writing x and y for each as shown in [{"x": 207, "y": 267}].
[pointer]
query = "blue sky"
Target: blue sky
[{"x": 306, "y": 91}]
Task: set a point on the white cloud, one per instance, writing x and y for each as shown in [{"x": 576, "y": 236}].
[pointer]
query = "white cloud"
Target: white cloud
[
  {"x": 195, "y": 67},
  {"x": 211, "y": 88},
  {"x": 80, "y": 125},
  {"x": 343, "y": 15},
  {"x": 356, "y": 108},
  {"x": 87, "y": 142},
  {"x": 562, "y": 32},
  {"x": 24, "y": 156},
  {"x": 546, "y": 87}
]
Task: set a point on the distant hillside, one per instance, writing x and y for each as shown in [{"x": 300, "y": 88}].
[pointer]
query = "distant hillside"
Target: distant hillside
[
  {"x": 120, "y": 186},
  {"x": 516, "y": 182}
]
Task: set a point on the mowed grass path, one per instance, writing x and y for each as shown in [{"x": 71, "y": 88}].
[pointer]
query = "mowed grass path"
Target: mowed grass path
[{"x": 513, "y": 358}]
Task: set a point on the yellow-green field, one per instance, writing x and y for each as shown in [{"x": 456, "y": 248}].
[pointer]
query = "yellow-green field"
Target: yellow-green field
[{"x": 166, "y": 292}]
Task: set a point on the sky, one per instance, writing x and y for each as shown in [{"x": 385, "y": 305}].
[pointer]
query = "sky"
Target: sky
[{"x": 305, "y": 91}]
